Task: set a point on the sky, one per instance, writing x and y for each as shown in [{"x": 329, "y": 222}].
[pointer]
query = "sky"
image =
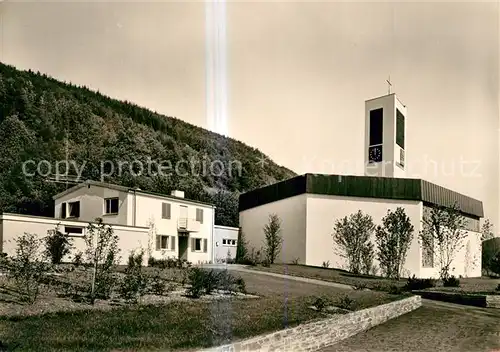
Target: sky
[{"x": 297, "y": 74}]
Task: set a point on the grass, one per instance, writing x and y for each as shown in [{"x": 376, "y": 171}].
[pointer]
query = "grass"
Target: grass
[
  {"x": 332, "y": 275},
  {"x": 179, "y": 325},
  {"x": 467, "y": 285}
]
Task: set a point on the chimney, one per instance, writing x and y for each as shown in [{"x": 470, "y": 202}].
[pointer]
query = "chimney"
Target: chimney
[{"x": 178, "y": 194}]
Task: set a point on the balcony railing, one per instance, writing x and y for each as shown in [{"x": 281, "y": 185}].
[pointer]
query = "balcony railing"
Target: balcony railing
[{"x": 188, "y": 225}]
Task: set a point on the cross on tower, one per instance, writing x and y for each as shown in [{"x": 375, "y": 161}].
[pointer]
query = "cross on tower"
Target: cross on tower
[{"x": 389, "y": 84}]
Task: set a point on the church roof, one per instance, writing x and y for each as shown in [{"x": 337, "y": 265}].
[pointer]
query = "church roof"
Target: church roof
[{"x": 362, "y": 186}]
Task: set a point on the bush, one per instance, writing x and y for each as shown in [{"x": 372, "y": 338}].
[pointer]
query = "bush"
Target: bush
[
  {"x": 452, "y": 281},
  {"x": 394, "y": 290},
  {"x": 419, "y": 284},
  {"x": 206, "y": 281},
  {"x": 134, "y": 284},
  {"x": 57, "y": 245},
  {"x": 78, "y": 259},
  {"x": 360, "y": 286},
  {"x": 345, "y": 302},
  {"x": 320, "y": 303},
  {"x": 195, "y": 280},
  {"x": 28, "y": 267},
  {"x": 326, "y": 264},
  {"x": 498, "y": 288},
  {"x": 295, "y": 261}
]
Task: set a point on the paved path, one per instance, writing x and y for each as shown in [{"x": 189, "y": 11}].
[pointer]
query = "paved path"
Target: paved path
[
  {"x": 436, "y": 326},
  {"x": 242, "y": 268}
]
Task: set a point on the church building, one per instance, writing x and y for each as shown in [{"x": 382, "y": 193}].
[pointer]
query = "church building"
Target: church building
[{"x": 309, "y": 205}]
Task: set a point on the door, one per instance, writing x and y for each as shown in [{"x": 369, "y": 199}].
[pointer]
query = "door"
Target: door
[{"x": 183, "y": 247}]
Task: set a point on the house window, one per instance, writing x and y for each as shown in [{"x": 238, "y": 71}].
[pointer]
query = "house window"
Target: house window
[
  {"x": 165, "y": 210},
  {"x": 63, "y": 210},
  {"x": 199, "y": 245},
  {"x": 73, "y": 230},
  {"x": 233, "y": 242},
  {"x": 224, "y": 241},
  {"x": 162, "y": 242},
  {"x": 74, "y": 209},
  {"x": 111, "y": 206},
  {"x": 199, "y": 215}
]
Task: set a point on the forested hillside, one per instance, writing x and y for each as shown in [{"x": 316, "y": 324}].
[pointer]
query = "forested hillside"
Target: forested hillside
[{"x": 44, "y": 119}]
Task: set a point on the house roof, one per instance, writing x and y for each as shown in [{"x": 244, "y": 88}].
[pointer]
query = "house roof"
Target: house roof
[
  {"x": 126, "y": 189},
  {"x": 362, "y": 186}
]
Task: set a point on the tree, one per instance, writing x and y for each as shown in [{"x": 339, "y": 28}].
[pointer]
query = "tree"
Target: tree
[
  {"x": 443, "y": 234},
  {"x": 102, "y": 253},
  {"x": 29, "y": 265},
  {"x": 393, "y": 240},
  {"x": 490, "y": 249},
  {"x": 57, "y": 245},
  {"x": 241, "y": 248},
  {"x": 273, "y": 238},
  {"x": 351, "y": 236},
  {"x": 487, "y": 230}
]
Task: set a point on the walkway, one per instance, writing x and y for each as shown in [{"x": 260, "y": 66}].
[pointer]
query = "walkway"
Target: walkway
[{"x": 242, "y": 268}]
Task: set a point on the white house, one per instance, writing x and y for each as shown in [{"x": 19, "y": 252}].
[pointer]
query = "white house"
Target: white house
[
  {"x": 171, "y": 226},
  {"x": 309, "y": 205},
  {"x": 226, "y": 242}
]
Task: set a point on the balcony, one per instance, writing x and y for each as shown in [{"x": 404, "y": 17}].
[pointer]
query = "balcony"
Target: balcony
[{"x": 188, "y": 225}]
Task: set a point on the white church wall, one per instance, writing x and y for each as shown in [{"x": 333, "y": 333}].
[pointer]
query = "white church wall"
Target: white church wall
[
  {"x": 292, "y": 212},
  {"x": 323, "y": 211},
  {"x": 466, "y": 262}
]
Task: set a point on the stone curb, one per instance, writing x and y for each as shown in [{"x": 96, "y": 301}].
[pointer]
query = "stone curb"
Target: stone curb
[
  {"x": 477, "y": 300},
  {"x": 319, "y": 334}
]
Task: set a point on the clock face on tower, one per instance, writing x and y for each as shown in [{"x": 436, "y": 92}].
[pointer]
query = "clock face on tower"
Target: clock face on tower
[{"x": 375, "y": 154}]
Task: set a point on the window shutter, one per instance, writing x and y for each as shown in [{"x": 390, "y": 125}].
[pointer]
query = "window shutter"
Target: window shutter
[
  {"x": 193, "y": 244},
  {"x": 199, "y": 215},
  {"x": 63, "y": 210},
  {"x": 165, "y": 210},
  {"x": 205, "y": 245},
  {"x": 158, "y": 242},
  {"x": 172, "y": 247}
]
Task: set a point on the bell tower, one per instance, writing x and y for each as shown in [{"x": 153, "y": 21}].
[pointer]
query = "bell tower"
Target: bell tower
[{"x": 385, "y": 137}]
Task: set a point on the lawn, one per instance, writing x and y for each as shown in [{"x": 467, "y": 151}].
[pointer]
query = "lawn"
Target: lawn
[
  {"x": 329, "y": 274},
  {"x": 180, "y": 325},
  {"x": 469, "y": 285}
]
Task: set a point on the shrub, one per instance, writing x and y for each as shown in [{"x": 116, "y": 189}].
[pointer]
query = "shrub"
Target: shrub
[
  {"x": 195, "y": 280},
  {"x": 28, "y": 267},
  {"x": 345, "y": 302},
  {"x": 360, "y": 286},
  {"x": 102, "y": 253},
  {"x": 158, "y": 286},
  {"x": 78, "y": 259},
  {"x": 498, "y": 288},
  {"x": 134, "y": 284},
  {"x": 240, "y": 283},
  {"x": 210, "y": 281},
  {"x": 295, "y": 261},
  {"x": 320, "y": 303},
  {"x": 394, "y": 290},
  {"x": 418, "y": 284},
  {"x": 326, "y": 264},
  {"x": 452, "y": 281},
  {"x": 57, "y": 245}
]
